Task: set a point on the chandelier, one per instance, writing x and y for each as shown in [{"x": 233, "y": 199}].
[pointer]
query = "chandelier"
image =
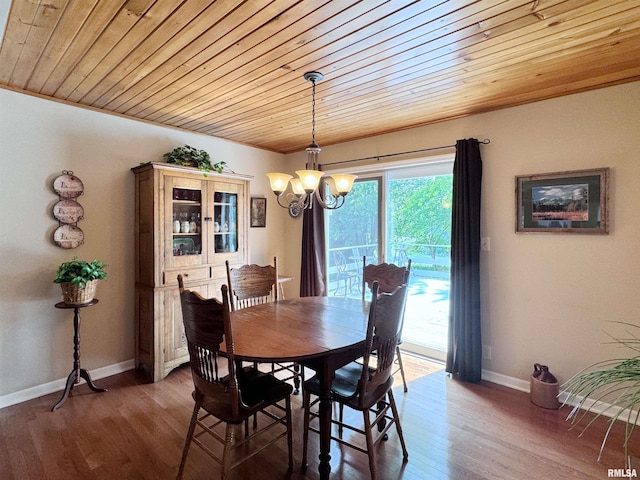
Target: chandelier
[{"x": 330, "y": 191}]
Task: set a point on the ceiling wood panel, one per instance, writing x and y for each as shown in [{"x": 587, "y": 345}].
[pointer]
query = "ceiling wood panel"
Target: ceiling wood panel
[
  {"x": 233, "y": 69},
  {"x": 160, "y": 84}
]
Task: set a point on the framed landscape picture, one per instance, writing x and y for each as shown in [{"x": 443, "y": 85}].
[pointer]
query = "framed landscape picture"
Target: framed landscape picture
[{"x": 563, "y": 202}]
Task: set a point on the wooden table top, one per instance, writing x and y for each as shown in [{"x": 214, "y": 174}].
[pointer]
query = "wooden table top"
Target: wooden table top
[{"x": 298, "y": 329}]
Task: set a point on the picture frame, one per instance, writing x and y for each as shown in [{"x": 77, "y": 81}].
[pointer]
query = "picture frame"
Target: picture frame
[
  {"x": 258, "y": 212},
  {"x": 563, "y": 202}
]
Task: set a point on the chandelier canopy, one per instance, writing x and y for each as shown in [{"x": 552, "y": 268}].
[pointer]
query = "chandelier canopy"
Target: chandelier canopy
[{"x": 329, "y": 191}]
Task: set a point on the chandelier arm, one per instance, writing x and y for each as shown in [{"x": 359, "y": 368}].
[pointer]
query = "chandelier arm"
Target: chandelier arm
[
  {"x": 336, "y": 202},
  {"x": 299, "y": 200},
  {"x": 319, "y": 198},
  {"x": 280, "y": 203},
  {"x": 330, "y": 201}
]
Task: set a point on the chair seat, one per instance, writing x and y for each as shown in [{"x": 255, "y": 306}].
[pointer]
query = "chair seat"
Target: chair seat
[
  {"x": 257, "y": 389},
  {"x": 345, "y": 385}
]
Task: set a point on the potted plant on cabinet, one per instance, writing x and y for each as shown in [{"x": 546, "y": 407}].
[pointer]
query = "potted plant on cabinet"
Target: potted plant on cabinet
[
  {"x": 192, "y": 157},
  {"x": 79, "y": 279}
]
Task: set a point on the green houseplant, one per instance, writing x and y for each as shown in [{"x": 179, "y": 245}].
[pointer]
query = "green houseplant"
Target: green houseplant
[
  {"x": 192, "y": 157},
  {"x": 78, "y": 280},
  {"x": 609, "y": 387}
]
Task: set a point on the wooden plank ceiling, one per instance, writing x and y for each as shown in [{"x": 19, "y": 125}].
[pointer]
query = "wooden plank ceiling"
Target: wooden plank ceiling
[{"x": 234, "y": 69}]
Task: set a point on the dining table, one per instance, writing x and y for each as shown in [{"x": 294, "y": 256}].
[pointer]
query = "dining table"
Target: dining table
[{"x": 321, "y": 333}]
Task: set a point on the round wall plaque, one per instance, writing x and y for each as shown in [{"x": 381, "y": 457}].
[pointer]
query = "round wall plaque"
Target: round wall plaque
[
  {"x": 68, "y": 185},
  {"x": 68, "y": 236},
  {"x": 68, "y": 211}
]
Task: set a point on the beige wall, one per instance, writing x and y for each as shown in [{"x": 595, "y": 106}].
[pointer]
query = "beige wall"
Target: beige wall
[{"x": 546, "y": 298}]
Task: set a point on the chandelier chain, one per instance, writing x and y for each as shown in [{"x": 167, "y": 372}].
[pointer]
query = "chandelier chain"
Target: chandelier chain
[{"x": 313, "y": 112}]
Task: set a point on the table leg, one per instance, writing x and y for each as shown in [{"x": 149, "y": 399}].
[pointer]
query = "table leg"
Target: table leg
[{"x": 326, "y": 378}]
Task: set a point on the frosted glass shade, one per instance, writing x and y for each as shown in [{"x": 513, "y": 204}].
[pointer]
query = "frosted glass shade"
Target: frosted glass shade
[
  {"x": 278, "y": 182},
  {"x": 310, "y": 179},
  {"x": 343, "y": 182},
  {"x": 296, "y": 186}
]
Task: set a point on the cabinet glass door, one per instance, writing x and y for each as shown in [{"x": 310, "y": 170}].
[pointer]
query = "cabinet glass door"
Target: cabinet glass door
[
  {"x": 225, "y": 214},
  {"x": 186, "y": 221},
  {"x": 184, "y": 206}
]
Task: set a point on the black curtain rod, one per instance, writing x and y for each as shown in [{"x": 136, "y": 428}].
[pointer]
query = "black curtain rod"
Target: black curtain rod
[{"x": 378, "y": 157}]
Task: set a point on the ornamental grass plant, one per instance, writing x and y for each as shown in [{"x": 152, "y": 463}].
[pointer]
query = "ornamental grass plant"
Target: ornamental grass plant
[{"x": 610, "y": 388}]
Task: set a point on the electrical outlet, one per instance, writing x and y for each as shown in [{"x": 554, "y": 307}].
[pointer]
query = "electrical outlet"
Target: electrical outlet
[
  {"x": 486, "y": 352},
  {"x": 485, "y": 244}
]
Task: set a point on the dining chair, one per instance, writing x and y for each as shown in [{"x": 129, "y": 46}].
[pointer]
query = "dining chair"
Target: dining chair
[
  {"x": 344, "y": 273},
  {"x": 388, "y": 276},
  {"x": 366, "y": 386},
  {"x": 227, "y": 393},
  {"x": 251, "y": 285}
]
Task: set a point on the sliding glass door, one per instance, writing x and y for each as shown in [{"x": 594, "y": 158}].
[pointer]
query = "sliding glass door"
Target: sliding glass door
[
  {"x": 353, "y": 232},
  {"x": 395, "y": 216}
]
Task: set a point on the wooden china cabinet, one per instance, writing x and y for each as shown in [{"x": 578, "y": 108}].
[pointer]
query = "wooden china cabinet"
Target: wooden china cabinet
[{"x": 189, "y": 223}]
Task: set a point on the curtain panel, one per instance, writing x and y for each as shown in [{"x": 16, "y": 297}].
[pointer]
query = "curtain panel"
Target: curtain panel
[
  {"x": 312, "y": 271},
  {"x": 464, "y": 354}
]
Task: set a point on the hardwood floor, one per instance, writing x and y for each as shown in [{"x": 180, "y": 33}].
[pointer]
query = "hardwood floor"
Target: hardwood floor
[{"x": 453, "y": 430}]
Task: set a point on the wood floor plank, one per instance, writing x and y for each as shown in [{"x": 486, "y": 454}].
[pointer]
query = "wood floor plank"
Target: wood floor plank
[{"x": 453, "y": 431}]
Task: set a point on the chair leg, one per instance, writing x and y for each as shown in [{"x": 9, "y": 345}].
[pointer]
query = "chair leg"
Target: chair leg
[
  {"x": 296, "y": 378},
  {"x": 383, "y": 421},
  {"x": 306, "y": 400},
  {"x": 337, "y": 286},
  {"x": 187, "y": 442},
  {"x": 370, "y": 450},
  {"x": 404, "y": 380},
  {"x": 396, "y": 419},
  {"x": 226, "y": 454},
  {"x": 289, "y": 431},
  {"x": 340, "y": 419}
]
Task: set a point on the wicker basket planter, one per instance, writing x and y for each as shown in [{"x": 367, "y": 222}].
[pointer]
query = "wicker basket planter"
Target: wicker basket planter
[
  {"x": 74, "y": 295},
  {"x": 78, "y": 279}
]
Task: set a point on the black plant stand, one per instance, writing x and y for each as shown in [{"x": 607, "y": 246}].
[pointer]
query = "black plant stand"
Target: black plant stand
[{"x": 77, "y": 373}]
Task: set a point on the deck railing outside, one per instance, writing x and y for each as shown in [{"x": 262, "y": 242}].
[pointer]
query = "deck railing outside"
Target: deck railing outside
[{"x": 345, "y": 263}]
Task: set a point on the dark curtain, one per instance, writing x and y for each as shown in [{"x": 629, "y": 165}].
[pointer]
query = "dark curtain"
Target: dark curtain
[
  {"x": 312, "y": 275},
  {"x": 464, "y": 355}
]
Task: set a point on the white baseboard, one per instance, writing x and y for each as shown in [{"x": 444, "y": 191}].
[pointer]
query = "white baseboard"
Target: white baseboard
[
  {"x": 58, "y": 385},
  {"x": 598, "y": 408},
  {"x": 504, "y": 380}
]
